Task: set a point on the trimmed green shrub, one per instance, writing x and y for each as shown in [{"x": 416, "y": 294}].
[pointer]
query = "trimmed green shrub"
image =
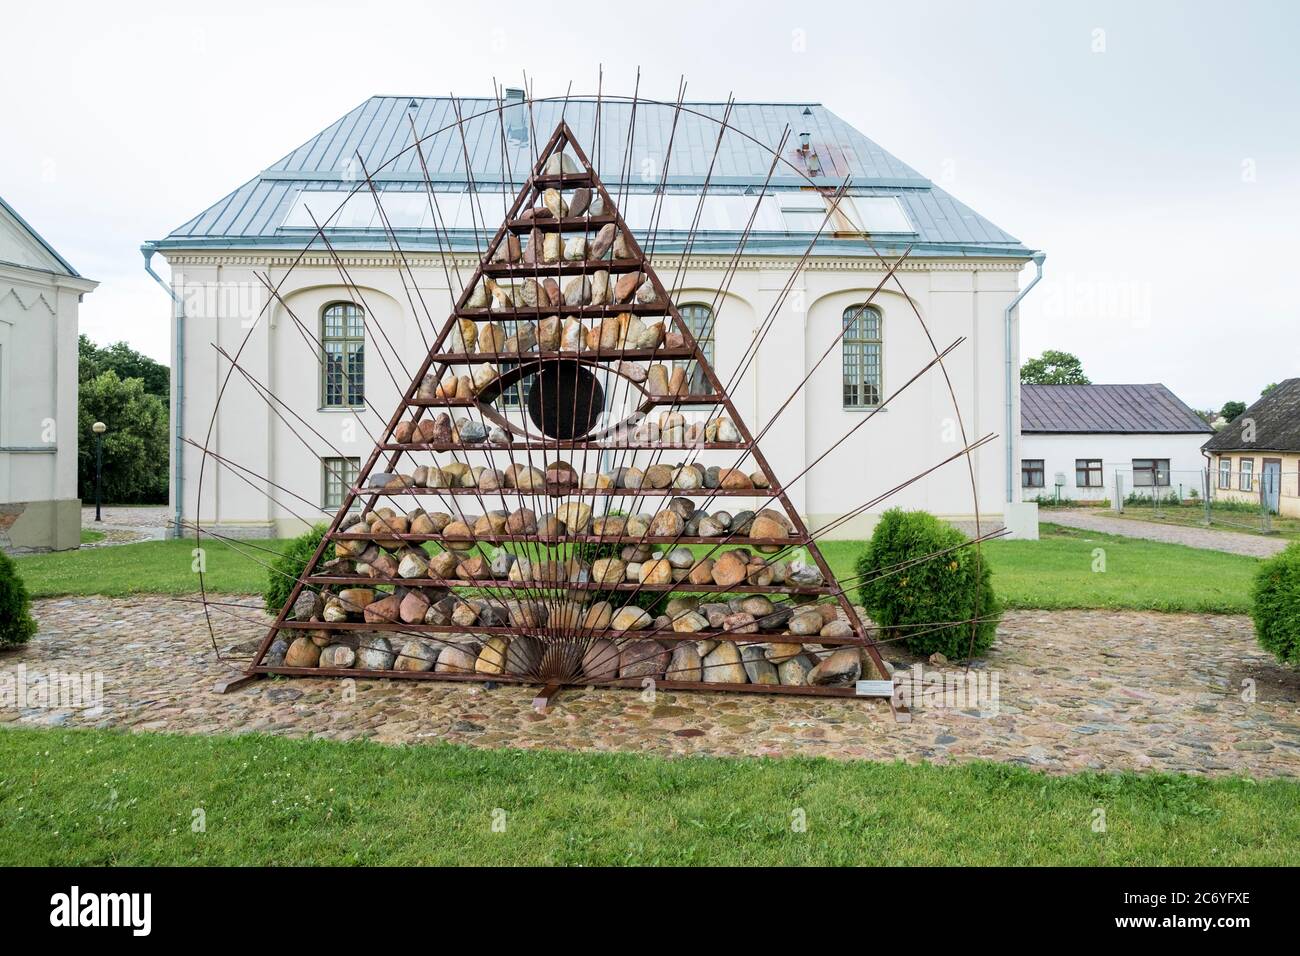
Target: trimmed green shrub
[
  {"x": 1276, "y": 610},
  {"x": 16, "y": 623},
  {"x": 287, "y": 568},
  {"x": 916, "y": 576}
]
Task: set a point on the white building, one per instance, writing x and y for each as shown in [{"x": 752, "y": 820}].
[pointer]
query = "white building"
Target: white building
[
  {"x": 39, "y": 296},
  {"x": 1079, "y": 440},
  {"x": 359, "y": 300}
]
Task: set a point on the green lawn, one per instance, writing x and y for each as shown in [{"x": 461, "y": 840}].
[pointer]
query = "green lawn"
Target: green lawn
[
  {"x": 1054, "y": 572},
  {"x": 104, "y": 798},
  {"x": 90, "y": 537},
  {"x": 1057, "y": 572},
  {"x": 150, "y": 567}
]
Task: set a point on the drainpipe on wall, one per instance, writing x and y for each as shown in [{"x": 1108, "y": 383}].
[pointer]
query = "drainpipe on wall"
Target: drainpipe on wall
[
  {"x": 1011, "y": 376},
  {"x": 178, "y": 380}
]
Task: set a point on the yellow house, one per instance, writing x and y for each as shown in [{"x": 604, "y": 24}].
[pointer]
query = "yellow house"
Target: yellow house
[{"x": 1256, "y": 459}]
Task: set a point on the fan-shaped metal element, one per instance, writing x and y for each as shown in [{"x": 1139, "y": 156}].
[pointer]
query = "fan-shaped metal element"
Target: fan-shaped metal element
[{"x": 565, "y": 400}]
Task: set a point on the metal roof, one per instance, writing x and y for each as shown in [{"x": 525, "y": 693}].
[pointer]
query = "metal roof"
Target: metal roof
[
  {"x": 1106, "y": 409},
  {"x": 1276, "y": 418},
  {"x": 379, "y": 132},
  {"x": 39, "y": 238}
]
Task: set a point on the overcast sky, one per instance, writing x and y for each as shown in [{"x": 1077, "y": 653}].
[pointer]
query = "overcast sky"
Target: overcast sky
[{"x": 1151, "y": 149}]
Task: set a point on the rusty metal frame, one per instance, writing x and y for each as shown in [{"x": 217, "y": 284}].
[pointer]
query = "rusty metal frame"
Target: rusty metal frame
[{"x": 553, "y": 680}]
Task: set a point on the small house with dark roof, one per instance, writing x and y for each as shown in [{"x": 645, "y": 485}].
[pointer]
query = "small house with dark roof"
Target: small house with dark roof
[
  {"x": 1082, "y": 442},
  {"x": 1256, "y": 457}
]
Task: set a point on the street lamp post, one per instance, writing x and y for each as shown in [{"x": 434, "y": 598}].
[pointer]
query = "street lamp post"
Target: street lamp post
[{"x": 98, "y": 428}]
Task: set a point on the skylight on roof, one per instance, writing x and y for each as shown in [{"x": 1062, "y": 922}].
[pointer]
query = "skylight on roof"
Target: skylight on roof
[{"x": 804, "y": 211}]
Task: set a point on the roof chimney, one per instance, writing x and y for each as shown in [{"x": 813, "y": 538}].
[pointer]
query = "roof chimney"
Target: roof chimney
[{"x": 516, "y": 121}]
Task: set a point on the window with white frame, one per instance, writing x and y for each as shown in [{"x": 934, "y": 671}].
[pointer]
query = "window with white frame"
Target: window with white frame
[
  {"x": 338, "y": 475},
  {"x": 1087, "y": 472},
  {"x": 1225, "y": 473},
  {"x": 862, "y": 348},
  {"x": 343, "y": 344},
  {"x": 513, "y": 396},
  {"x": 1150, "y": 472},
  {"x": 1246, "y": 480}
]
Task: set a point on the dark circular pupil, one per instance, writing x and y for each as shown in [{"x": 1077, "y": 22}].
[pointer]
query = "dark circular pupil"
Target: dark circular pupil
[{"x": 564, "y": 399}]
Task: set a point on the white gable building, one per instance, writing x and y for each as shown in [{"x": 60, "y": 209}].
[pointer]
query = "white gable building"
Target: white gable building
[
  {"x": 364, "y": 303},
  {"x": 1083, "y": 442},
  {"x": 39, "y": 296}
]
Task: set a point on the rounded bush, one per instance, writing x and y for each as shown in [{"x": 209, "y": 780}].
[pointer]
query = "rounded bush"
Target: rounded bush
[
  {"x": 287, "y": 568},
  {"x": 1276, "y": 605},
  {"x": 921, "y": 584},
  {"x": 16, "y": 623}
]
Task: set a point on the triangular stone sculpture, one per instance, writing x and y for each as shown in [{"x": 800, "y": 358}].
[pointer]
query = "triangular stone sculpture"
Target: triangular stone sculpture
[{"x": 536, "y": 571}]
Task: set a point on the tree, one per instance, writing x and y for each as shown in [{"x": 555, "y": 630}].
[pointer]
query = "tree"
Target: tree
[
  {"x": 126, "y": 362},
  {"x": 1231, "y": 410},
  {"x": 1268, "y": 388},
  {"x": 1054, "y": 368},
  {"x": 135, "y": 445}
]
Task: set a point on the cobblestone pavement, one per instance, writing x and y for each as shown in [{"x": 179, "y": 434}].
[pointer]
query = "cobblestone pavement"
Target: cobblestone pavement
[
  {"x": 126, "y": 525},
  {"x": 1076, "y": 690},
  {"x": 1233, "y": 542}
]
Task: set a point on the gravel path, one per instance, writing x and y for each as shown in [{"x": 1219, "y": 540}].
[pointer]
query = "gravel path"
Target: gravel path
[
  {"x": 1233, "y": 542},
  {"x": 126, "y": 525},
  {"x": 1076, "y": 690}
]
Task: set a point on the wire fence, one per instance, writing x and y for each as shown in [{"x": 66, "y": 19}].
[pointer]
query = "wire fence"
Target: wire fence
[{"x": 1263, "y": 500}]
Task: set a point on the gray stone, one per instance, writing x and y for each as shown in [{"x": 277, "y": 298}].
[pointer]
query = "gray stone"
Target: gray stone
[
  {"x": 681, "y": 557},
  {"x": 682, "y": 506},
  {"x": 523, "y": 655},
  {"x": 795, "y": 671},
  {"x": 685, "y": 663},
  {"x": 758, "y": 668},
  {"x": 837, "y": 629},
  {"x": 455, "y": 659},
  {"x": 471, "y": 432},
  {"x": 374, "y": 653},
  {"x": 418, "y": 654},
  {"x": 716, "y": 613},
  {"x": 805, "y": 574},
  {"x": 275, "y": 653},
  {"x": 710, "y": 527},
  {"x": 723, "y": 665},
  {"x": 338, "y": 655},
  {"x": 308, "y": 606},
  {"x": 805, "y": 622}
]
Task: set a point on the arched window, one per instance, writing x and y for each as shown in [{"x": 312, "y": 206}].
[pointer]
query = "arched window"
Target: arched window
[
  {"x": 516, "y": 395},
  {"x": 343, "y": 340},
  {"x": 699, "y": 319},
  {"x": 862, "y": 351}
]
